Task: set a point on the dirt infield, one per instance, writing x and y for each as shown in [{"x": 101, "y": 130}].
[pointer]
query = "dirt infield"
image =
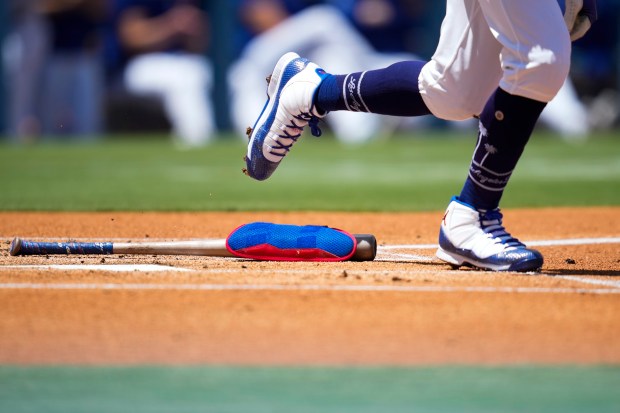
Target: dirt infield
[{"x": 405, "y": 308}]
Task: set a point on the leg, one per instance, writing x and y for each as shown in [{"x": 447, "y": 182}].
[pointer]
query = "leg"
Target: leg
[
  {"x": 535, "y": 58},
  {"x": 389, "y": 91},
  {"x": 334, "y": 41},
  {"x": 299, "y": 93},
  {"x": 26, "y": 50},
  {"x": 182, "y": 82},
  {"x": 535, "y": 66}
]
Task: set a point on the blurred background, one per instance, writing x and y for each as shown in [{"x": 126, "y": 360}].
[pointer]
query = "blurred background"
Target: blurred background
[{"x": 195, "y": 69}]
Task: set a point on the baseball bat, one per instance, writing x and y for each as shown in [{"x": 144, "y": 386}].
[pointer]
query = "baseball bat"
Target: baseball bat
[{"x": 366, "y": 248}]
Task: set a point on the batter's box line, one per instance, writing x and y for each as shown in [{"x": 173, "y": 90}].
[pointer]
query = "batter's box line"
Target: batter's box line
[
  {"x": 385, "y": 256},
  {"x": 302, "y": 287},
  {"x": 533, "y": 243}
]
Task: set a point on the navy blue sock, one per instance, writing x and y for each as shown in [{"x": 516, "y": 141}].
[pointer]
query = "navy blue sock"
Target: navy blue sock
[
  {"x": 389, "y": 91},
  {"x": 506, "y": 124}
]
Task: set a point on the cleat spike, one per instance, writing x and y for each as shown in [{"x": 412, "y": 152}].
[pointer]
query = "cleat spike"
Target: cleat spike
[
  {"x": 245, "y": 172},
  {"x": 268, "y": 79},
  {"x": 248, "y": 131}
]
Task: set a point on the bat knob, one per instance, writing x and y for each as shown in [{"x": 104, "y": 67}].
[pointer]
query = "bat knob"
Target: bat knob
[
  {"x": 16, "y": 246},
  {"x": 366, "y": 247}
]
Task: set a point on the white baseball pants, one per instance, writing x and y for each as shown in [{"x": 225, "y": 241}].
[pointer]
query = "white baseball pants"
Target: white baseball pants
[{"x": 521, "y": 45}]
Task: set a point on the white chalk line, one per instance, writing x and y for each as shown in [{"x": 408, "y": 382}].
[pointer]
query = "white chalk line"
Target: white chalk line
[
  {"x": 300, "y": 287},
  {"x": 615, "y": 284},
  {"x": 384, "y": 273},
  {"x": 539, "y": 243},
  {"x": 324, "y": 270},
  {"x": 99, "y": 267},
  {"x": 385, "y": 256}
]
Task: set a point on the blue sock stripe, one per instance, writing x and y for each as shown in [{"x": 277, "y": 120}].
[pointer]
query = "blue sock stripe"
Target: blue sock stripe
[
  {"x": 344, "y": 93},
  {"x": 350, "y": 90},
  {"x": 359, "y": 92}
]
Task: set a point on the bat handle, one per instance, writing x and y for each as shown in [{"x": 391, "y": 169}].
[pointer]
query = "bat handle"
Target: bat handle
[{"x": 22, "y": 247}]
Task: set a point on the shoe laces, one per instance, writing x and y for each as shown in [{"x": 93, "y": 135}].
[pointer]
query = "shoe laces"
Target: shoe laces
[
  {"x": 312, "y": 121},
  {"x": 291, "y": 133},
  {"x": 491, "y": 224}
]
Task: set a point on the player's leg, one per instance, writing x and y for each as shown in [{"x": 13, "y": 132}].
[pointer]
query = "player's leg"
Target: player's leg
[
  {"x": 446, "y": 86},
  {"x": 299, "y": 92},
  {"x": 389, "y": 91},
  {"x": 535, "y": 60},
  {"x": 182, "y": 82}
]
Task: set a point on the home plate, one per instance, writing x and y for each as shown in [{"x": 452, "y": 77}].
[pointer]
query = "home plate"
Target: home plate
[{"x": 98, "y": 267}]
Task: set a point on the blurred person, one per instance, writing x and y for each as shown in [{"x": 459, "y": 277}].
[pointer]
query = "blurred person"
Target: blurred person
[
  {"x": 24, "y": 70},
  {"x": 74, "y": 81},
  {"x": 499, "y": 61},
  {"x": 596, "y": 67},
  {"x": 54, "y": 62},
  {"x": 321, "y": 32},
  {"x": 164, "y": 44}
]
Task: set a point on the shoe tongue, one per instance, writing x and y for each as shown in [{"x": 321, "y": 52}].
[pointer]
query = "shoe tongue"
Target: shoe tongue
[
  {"x": 491, "y": 223},
  {"x": 316, "y": 112},
  {"x": 491, "y": 217}
]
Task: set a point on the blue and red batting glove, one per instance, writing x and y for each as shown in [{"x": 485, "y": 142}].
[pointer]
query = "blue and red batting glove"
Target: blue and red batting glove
[{"x": 280, "y": 242}]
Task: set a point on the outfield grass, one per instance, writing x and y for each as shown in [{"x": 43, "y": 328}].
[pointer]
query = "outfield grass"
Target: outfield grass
[
  {"x": 400, "y": 174},
  {"x": 564, "y": 389}
]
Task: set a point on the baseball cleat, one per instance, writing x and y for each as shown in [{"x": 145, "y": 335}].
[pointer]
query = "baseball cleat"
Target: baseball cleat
[
  {"x": 289, "y": 108},
  {"x": 478, "y": 238}
]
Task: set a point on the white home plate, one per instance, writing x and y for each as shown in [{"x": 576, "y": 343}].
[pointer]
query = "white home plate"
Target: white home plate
[{"x": 99, "y": 267}]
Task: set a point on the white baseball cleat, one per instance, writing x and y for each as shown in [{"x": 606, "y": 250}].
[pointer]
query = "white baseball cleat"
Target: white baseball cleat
[
  {"x": 478, "y": 238},
  {"x": 289, "y": 108}
]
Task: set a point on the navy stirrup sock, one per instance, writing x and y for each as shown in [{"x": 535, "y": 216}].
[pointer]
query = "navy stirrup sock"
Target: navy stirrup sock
[
  {"x": 506, "y": 124},
  {"x": 389, "y": 91}
]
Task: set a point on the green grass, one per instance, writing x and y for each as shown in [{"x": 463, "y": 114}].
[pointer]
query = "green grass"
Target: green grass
[
  {"x": 294, "y": 389},
  {"x": 400, "y": 174}
]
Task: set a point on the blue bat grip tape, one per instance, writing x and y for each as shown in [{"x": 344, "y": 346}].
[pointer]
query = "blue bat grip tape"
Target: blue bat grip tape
[{"x": 39, "y": 248}]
